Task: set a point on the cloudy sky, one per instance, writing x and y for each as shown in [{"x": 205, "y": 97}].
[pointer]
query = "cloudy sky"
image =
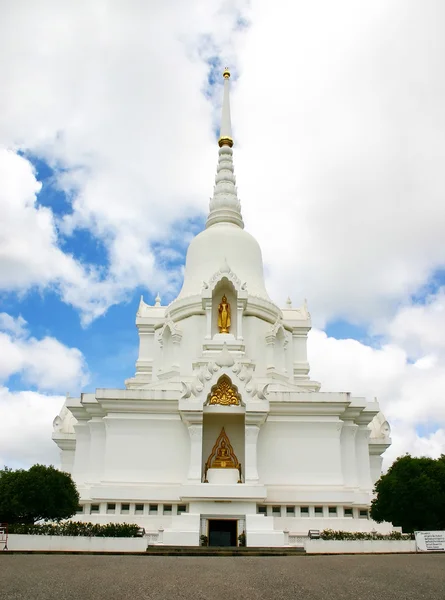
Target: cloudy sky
[{"x": 108, "y": 122}]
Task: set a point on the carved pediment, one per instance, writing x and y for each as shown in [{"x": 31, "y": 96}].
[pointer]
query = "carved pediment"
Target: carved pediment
[{"x": 224, "y": 393}]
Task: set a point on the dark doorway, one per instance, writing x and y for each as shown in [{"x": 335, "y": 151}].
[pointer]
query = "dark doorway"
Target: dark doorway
[{"x": 222, "y": 532}]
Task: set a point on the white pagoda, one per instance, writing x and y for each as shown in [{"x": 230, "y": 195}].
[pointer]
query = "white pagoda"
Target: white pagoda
[{"x": 221, "y": 431}]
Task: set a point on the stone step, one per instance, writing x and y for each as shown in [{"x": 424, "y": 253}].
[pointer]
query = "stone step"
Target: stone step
[{"x": 222, "y": 551}]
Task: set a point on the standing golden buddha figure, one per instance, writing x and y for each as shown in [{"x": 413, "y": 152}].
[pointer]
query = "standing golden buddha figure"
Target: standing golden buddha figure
[{"x": 224, "y": 316}]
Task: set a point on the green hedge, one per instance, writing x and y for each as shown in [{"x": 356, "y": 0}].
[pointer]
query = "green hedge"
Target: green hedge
[
  {"x": 77, "y": 528},
  {"x": 330, "y": 534}
]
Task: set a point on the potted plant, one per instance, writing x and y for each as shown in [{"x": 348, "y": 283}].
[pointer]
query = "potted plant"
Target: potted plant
[
  {"x": 242, "y": 539},
  {"x": 204, "y": 540}
]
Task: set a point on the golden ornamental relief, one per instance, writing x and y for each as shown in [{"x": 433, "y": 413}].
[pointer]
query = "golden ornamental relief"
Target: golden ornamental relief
[
  {"x": 222, "y": 456},
  {"x": 224, "y": 393}
]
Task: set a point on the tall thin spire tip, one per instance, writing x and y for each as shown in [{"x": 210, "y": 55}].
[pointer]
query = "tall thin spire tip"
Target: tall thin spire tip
[
  {"x": 225, "y": 206},
  {"x": 225, "y": 136}
]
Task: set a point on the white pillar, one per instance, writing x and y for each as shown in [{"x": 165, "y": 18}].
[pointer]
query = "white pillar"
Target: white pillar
[
  {"x": 208, "y": 309},
  {"x": 348, "y": 457},
  {"x": 239, "y": 320},
  {"x": 195, "y": 468},
  {"x": 362, "y": 458},
  {"x": 97, "y": 448},
  {"x": 251, "y": 466},
  {"x": 144, "y": 363},
  {"x": 81, "y": 467},
  {"x": 270, "y": 346},
  {"x": 176, "y": 343},
  {"x": 299, "y": 344}
]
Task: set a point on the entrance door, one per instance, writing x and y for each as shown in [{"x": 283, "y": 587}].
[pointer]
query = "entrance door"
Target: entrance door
[{"x": 222, "y": 532}]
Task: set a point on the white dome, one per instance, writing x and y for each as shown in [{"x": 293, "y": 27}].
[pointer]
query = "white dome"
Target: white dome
[{"x": 219, "y": 244}]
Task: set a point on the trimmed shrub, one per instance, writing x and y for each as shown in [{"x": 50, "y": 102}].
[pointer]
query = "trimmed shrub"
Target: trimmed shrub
[
  {"x": 77, "y": 528},
  {"x": 330, "y": 534}
]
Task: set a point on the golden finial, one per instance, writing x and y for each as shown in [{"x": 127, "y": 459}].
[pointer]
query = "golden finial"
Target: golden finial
[{"x": 226, "y": 73}]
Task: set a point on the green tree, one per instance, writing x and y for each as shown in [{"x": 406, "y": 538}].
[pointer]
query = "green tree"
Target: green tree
[
  {"x": 40, "y": 493},
  {"x": 412, "y": 494}
]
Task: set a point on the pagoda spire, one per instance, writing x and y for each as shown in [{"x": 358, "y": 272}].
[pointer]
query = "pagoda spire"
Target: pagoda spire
[{"x": 225, "y": 206}]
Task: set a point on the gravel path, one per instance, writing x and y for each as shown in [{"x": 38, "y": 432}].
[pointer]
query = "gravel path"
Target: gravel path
[{"x": 368, "y": 577}]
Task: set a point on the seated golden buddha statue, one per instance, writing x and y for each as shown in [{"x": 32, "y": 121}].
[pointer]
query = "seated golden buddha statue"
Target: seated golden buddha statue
[{"x": 223, "y": 460}]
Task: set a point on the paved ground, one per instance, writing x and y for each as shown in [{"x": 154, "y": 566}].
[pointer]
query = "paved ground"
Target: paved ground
[{"x": 69, "y": 577}]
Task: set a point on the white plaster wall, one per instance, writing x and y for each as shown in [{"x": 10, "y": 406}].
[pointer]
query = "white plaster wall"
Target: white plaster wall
[
  {"x": 146, "y": 342},
  {"x": 184, "y": 531},
  {"x": 282, "y": 352},
  {"x": 82, "y": 465},
  {"x": 190, "y": 348},
  {"x": 168, "y": 358},
  {"x": 72, "y": 543},
  {"x": 96, "y": 448},
  {"x": 261, "y": 533},
  {"x": 288, "y": 354},
  {"x": 148, "y": 522},
  {"x": 359, "y": 546},
  {"x": 67, "y": 460},
  {"x": 298, "y": 347},
  {"x": 181, "y": 538},
  {"x": 349, "y": 459},
  {"x": 317, "y": 495},
  {"x": 299, "y": 452},
  {"x": 234, "y": 428},
  {"x": 233, "y": 508},
  {"x": 156, "y": 354},
  {"x": 301, "y": 525},
  {"x": 363, "y": 465},
  {"x": 375, "y": 462},
  {"x": 146, "y": 448},
  {"x": 254, "y": 333},
  {"x": 110, "y": 491},
  {"x": 264, "y": 539}
]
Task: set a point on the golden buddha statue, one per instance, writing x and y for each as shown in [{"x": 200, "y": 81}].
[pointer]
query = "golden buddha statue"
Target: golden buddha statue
[
  {"x": 224, "y": 316},
  {"x": 222, "y": 457},
  {"x": 223, "y": 460}
]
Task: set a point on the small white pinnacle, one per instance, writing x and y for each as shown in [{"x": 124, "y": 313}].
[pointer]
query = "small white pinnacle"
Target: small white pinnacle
[
  {"x": 225, "y": 266},
  {"x": 288, "y": 302},
  {"x": 158, "y": 300}
]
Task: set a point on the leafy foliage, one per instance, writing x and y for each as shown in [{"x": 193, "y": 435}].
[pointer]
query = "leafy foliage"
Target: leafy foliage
[
  {"x": 330, "y": 534},
  {"x": 40, "y": 493},
  {"x": 412, "y": 494},
  {"x": 78, "y": 528}
]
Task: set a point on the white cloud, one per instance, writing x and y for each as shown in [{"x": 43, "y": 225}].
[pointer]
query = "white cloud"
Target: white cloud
[
  {"x": 28, "y": 252},
  {"x": 411, "y": 394},
  {"x": 16, "y": 326},
  {"x": 420, "y": 327},
  {"x": 26, "y": 419},
  {"x": 115, "y": 97},
  {"x": 46, "y": 363},
  {"x": 341, "y": 111},
  {"x": 26, "y": 416}
]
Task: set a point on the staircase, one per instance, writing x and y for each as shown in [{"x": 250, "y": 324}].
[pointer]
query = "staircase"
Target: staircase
[{"x": 222, "y": 551}]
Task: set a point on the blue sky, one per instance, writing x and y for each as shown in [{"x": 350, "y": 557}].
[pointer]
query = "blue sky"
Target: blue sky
[{"x": 108, "y": 152}]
